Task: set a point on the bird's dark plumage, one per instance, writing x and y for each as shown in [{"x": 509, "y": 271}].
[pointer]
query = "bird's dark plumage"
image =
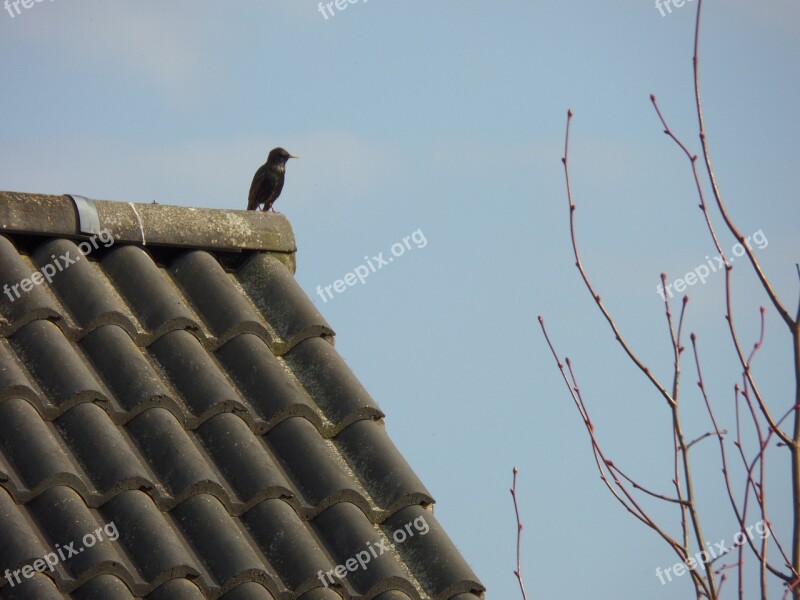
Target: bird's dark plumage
[{"x": 268, "y": 180}]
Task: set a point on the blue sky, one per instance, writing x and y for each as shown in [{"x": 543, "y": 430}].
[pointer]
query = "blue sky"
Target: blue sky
[{"x": 449, "y": 118}]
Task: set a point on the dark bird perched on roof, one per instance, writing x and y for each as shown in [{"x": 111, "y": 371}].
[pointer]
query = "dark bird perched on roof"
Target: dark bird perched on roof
[{"x": 268, "y": 180}]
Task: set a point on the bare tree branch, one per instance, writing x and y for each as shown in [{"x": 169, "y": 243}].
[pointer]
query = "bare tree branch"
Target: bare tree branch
[{"x": 518, "y": 571}]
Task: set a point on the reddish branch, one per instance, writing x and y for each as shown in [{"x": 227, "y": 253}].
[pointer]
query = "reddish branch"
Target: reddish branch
[
  {"x": 728, "y": 267},
  {"x": 690, "y": 521},
  {"x": 749, "y": 389},
  {"x": 682, "y": 466},
  {"x": 793, "y": 325},
  {"x": 518, "y": 571},
  {"x": 621, "y": 485},
  {"x": 618, "y": 483}
]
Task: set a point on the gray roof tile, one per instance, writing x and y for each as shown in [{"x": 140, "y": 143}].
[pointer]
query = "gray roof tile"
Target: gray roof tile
[
  {"x": 38, "y": 587},
  {"x": 129, "y": 373},
  {"x": 17, "y": 306},
  {"x": 151, "y": 296}
]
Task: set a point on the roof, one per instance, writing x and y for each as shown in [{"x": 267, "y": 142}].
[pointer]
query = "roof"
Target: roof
[{"x": 175, "y": 421}]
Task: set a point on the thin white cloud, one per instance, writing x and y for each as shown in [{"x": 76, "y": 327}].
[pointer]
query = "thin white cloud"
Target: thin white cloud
[
  {"x": 157, "y": 41},
  {"x": 176, "y": 44}
]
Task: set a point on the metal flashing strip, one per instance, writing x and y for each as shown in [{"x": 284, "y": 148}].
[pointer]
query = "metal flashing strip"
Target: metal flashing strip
[{"x": 88, "y": 219}]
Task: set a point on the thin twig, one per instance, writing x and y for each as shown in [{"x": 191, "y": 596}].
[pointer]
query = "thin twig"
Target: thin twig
[
  {"x": 721, "y": 253},
  {"x": 793, "y": 325},
  {"x": 518, "y": 572},
  {"x": 613, "y": 483},
  {"x": 618, "y": 336}
]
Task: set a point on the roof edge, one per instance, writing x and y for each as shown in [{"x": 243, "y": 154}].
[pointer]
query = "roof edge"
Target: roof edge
[{"x": 148, "y": 224}]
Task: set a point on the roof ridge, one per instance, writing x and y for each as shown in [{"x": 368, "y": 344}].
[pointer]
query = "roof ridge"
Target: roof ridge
[{"x": 148, "y": 225}]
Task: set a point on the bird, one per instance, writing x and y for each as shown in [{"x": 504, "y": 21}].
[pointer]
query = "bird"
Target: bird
[{"x": 268, "y": 180}]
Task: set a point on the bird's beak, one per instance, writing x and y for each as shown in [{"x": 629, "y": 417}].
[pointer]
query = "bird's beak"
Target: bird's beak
[{"x": 293, "y": 156}]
